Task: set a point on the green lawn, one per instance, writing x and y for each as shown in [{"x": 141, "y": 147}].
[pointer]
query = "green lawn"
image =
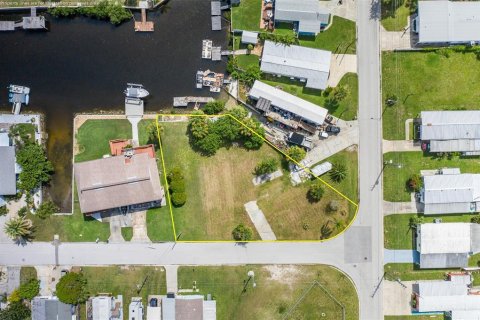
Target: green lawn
[
  {"x": 246, "y": 16},
  {"x": 395, "y": 178},
  {"x": 346, "y": 109},
  {"x": 127, "y": 233},
  {"x": 27, "y": 273},
  {"x": 339, "y": 38},
  {"x": 277, "y": 290},
  {"x": 247, "y": 60},
  {"x": 25, "y": 131},
  {"x": 474, "y": 261},
  {"x": 399, "y": 235},
  {"x": 348, "y": 186},
  {"x": 159, "y": 224},
  {"x": 93, "y": 137},
  {"x": 410, "y": 272},
  {"x": 427, "y": 81},
  {"x": 217, "y": 188},
  {"x": 126, "y": 280},
  {"x": 395, "y": 14}
]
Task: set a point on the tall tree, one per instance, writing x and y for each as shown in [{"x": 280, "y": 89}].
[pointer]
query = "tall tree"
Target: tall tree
[
  {"x": 296, "y": 153},
  {"x": 36, "y": 169},
  {"x": 72, "y": 288}
]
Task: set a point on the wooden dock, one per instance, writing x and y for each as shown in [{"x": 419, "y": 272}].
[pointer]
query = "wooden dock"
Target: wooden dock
[
  {"x": 184, "y": 101},
  {"x": 144, "y": 25}
]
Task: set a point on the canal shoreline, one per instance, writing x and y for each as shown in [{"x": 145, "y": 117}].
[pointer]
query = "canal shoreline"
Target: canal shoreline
[{"x": 41, "y": 6}]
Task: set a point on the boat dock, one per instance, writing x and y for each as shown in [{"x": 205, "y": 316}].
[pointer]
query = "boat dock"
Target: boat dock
[
  {"x": 33, "y": 22},
  {"x": 18, "y": 95},
  {"x": 184, "y": 101},
  {"x": 207, "y": 49},
  {"x": 144, "y": 25}
]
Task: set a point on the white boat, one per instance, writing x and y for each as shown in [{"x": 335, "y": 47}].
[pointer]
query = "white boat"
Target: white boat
[{"x": 135, "y": 91}]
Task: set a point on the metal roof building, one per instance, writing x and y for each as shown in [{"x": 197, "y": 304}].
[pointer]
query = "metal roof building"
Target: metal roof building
[
  {"x": 192, "y": 307},
  {"x": 285, "y": 101},
  {"x": 451, "y": 193},
  {"x": 114, "y": 182},
  {"x": 442, "y": 21},
  {"x": 249, "y": 37},
  {"x": 306, "y": 64},
  {"x": 216, "y": 23},
  {"x": 47, "y": 308},
  {"x": 451, "y": 131},
  {"x": 308, "y": 14},
  {"x": 8, "y": 178},
  {"x": 464, "y": 315},
  {"x": 215, "y": 6}
]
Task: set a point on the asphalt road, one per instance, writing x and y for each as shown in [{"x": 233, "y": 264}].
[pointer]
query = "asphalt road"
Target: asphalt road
[{"x": 358, "y": 252}]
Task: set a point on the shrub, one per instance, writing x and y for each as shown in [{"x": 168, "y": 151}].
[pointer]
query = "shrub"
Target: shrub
[
  {"x": 23, "y": 211},
  {"x": 296, "y": 153},
  {"x": 177, "y": 186},
  {"x": 175, "y": 174},
  {"x": 327, "y": 91},
  {"x": 30, "y": 289},
  {"x": 315, "y": 192},
  {"x": 333, "y": 206},
  {"x": 15, "y": 311},
  {"x": 72, "y": 288},
  {"x": 46, "y": 209},
  {"x": 415, "y": 183},
  {"x": 214, "y": 107},
  {"x": 3, "y": 210},
  {"x": 242, "y": 233},
  {"x": 414, "y": 221},
  {"x": 475, "y": 219},
  {"x": 179, "y": 198},
  {"x": 250, "y": 47},
  {"x": 14, "y": 296},
  {"x": 339, "y": 172},
  {"x": 266, "y": 166}
]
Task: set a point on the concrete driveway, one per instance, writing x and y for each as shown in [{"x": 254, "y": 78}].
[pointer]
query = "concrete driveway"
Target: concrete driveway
[
  {"x": 340, "y": 65},
  {"x": 259, "y": 221},
  {"x": 139, "y": 224},
  {"x": 396, "y": 298},
  {"x": 398, "y": 40},
  {"x": 401, "y": 146},
  {"x": 347, "y": 9},
  {"x": 401, "y": 256}
]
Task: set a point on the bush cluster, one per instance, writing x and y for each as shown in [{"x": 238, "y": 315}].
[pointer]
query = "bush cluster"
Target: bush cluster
[
  {"x": 104, "y": 10},
  {"x": 207, "y": 136},
  {"x": 266, "y": 166},
  {"x": 176, "y": 187},
  {"x": 214, "y": 107},
  {"x": 242, "y": 233}
]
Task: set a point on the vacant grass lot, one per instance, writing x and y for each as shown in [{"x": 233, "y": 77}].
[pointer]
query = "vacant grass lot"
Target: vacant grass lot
[
  {"x": 339, "y": 38},
  {"x": 395, "y": 179},
  {"x": 346, "y": 109},
  {"x": 93, "y": 137},
  {"x": 125, "y": 280},
  {"x": 247, "y": 60},
  {"x": 399, "y": 235},
  {"x": 408, "y": 272},
  {"x": 218, "y": 187},
  {"x": 277, "y": 289},
  {"x": 427, "y": 81},
  {"x": 246, "y": 16},
  {"x": 395, "y": 15}
]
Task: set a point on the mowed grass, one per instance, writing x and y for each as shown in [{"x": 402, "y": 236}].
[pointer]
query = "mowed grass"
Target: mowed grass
[
  {"x": 346, "y": 109},
  {"x": 247, "y": 60},
  {"x": 395, "y": 179},
  {"x": 339, "y": 38},
  {"x": 410, "y": 272},
  {"x": 399, "y": 235},
  {"x": 126, "y": 280},
  {"x": 93, "y": 137},
  {"x": 246, "y": 16},
  {"x": 218, "y": 187},
  {"x": 395, "y": 15},
  {"x": 277, "y": 290},
  {"x": 416, "y": 317},
  {"x": 27, "y": 273},
  {"x": 427, "y": 81}
]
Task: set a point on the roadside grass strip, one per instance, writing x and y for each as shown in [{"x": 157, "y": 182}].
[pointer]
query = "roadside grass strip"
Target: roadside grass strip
[{"x": 170, "y": 205}]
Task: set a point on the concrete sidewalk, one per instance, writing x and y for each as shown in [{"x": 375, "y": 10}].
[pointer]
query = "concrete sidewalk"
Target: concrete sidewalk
[
  {"x": 259, "y": 220},
  {"x": 341, "y": 64},
  {"x": 401, "y": 256}
]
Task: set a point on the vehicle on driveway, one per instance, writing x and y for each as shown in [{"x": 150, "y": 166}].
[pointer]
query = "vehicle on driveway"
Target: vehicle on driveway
[{"x": 332, "y": 129}]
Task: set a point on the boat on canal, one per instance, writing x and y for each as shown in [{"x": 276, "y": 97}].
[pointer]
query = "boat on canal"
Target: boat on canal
[{"x": 136, "y": 91}]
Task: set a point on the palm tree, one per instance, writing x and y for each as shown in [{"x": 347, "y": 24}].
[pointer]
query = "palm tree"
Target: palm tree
[
  {"x": 339, "y": 172},
  {"x": 248, "y": 125},
  {"x": 19, "y": 229},
  {"x": 325, "y": 231}
]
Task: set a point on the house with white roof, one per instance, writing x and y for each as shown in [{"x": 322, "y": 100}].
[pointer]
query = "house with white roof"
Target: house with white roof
[
  {"x": 105, "y": 307},
  {"x": 249, "y": 37},
  {"x": 453, "y": 296},
  {"x": 287, "y": 109},
  {"x": 308, "y": 65},
  {"x": 8, "y": 167},
  {"x": 446, "y": 245},
  {"x": 451, "y": 131},
  {"x": 450, "y": 192},
  {"x": 308, "y": 16},
  {"x": 450, "y": 22}
]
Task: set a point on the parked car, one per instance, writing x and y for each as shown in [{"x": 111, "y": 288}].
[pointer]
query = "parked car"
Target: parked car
[
  {"x": 332, "y": 129},
  {"x": 64, "y": 272}
]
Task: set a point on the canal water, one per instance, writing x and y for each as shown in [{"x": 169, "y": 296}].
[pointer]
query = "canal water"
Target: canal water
[{"x": 82, "y": 65}]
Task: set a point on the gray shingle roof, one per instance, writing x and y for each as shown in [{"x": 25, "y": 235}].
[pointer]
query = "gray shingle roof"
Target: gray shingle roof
[
  {"x": 48, "y": 309},
  {"x": 8, "y": 185}
]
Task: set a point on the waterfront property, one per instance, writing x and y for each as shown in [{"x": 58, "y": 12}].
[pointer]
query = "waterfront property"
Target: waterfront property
[
  {"x": 308, "y": 65},
  {"x": 451, "y": 131},
  {"x": 446, "y": 245},
  {"x": 8, "y": 177},
  {"x": 454, "y": 296},
  {"x": 448, "y": 22},
  {"x": 33, "y": 22},
  {"x": 308, "y": 16},
  {"x": 49, "y": 307},
  {"x": 449, "y": 191},
  {"x": 286, "y": 109},
  {"x": 118, "y": 184}
]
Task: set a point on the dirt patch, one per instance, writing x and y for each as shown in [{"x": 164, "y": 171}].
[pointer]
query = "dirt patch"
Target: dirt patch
[
  {"x": 287, "y": 274},
  {"x": 352, "y": 148}
]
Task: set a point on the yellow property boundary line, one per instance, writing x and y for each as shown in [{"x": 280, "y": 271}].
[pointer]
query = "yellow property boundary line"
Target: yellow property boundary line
[{"x": 271, "y": 145}]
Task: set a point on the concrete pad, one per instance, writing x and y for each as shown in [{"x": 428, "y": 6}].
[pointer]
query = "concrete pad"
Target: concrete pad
[
  {"x": 396, "y": 298},
  {"x": 398, "y": 40},
  {"x": 49, "y": 277},
  {"x": 172, "y": 282},
  {"x": 259, "y": 220},
  {"x": 401, "y": 146},
  {"x": 134, "y": 120},
  {"x": 347, "y": 9},
  {"x": 401, "y": 256},
  {"x": 358, "y": 245},
  {"x": 9, "y": 279},
  {"x": 402, "y": 207},
  {"x": 258, "y": 180},
  {"x": 115, "y": 229},
  {"x": 139, "y": 224},
  {"x": 341, "y": 64}
]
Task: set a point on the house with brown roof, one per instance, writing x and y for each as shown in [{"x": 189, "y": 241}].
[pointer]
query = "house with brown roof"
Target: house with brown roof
[{"x": 125, "y": 183}]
